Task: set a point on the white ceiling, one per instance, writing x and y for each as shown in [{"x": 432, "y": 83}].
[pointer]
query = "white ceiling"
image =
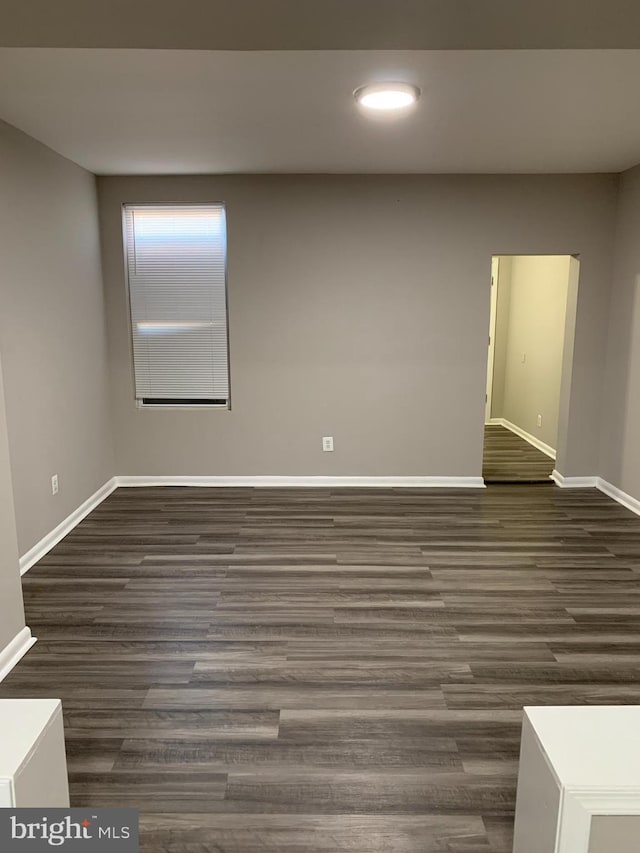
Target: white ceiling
[{"x": 158, "y": 111}]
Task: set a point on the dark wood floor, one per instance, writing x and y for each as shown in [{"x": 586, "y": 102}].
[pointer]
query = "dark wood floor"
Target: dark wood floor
[
  {"x": 327, "y": 671},
  {"x": 510, "y": 459}
]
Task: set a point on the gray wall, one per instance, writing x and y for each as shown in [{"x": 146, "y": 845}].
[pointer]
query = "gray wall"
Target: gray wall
[
  {"x": 359, "y": 308},
  {"x": 52, "y": 335},
  {"x": 11, "y": 607},
  {"x": 536, "y": 291},
  {"x": 621, "y": 400}
]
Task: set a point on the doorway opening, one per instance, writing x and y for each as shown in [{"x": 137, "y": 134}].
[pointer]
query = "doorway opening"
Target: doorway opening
[{"x": 527, "y": 365}]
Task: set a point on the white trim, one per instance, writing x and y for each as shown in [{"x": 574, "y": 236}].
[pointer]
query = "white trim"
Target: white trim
[
  {"x": 580, "y": 805},
  {"x": 47, "y": 542},
  {"x": 309, "y": 482},
  {"x": 618, "y": 495},
  {"x": 491, "y": 351},
  {"x": 539, "y": 445},
  {"x": 6, "y": 794},
  {"x": 578, "y": 789},
  {"x": 14, "y": 651},
  {"x": 573, "y": 482},
  {"x": 604, "y": 486}
]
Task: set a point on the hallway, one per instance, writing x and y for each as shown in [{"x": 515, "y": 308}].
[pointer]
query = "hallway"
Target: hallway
[{"x": 508, "y": 458}]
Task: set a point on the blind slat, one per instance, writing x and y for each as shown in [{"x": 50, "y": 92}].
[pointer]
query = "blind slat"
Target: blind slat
[{"x": 176, "y": 265}]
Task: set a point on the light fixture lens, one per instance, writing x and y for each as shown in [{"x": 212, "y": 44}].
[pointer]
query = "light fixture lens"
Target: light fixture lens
[{"x": 387, "y": 96}]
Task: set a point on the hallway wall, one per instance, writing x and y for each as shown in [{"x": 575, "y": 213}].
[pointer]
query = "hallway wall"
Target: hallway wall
[{"x": 530, "y": 334}]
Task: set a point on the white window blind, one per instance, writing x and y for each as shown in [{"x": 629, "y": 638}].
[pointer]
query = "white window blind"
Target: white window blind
[{"x": 176, "y": 264}]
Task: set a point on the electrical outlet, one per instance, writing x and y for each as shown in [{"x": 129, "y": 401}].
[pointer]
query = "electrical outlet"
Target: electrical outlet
[
  {"x": 539, "y": 420},
  {"x": 54, "y": 484},
  {"x": 327, "y": 443}
]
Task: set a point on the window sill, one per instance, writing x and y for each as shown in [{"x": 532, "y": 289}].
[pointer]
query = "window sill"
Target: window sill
[{"x": 178, "y": 408}]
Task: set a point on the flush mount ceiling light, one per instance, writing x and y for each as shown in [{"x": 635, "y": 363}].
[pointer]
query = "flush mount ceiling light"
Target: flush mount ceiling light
[{"x": 387, "y": 96}]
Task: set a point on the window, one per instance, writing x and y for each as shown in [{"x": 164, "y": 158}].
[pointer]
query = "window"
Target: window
[{"x": 176, "y": 267}]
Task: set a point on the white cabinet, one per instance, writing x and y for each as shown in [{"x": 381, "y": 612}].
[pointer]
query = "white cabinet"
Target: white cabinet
[
  {"x": 578, "y": 766},
  {"x": 33, "y": 764}
]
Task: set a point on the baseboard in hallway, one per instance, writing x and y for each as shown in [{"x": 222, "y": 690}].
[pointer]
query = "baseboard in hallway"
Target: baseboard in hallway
[
  {"x": 508, "y": 458},
  {"x": 527, "y": 436}
]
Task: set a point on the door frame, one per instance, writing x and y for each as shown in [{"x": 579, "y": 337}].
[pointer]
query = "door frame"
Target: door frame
[
  {"x": 568, "y": 355},
  {"x": 491, "y": 352}
]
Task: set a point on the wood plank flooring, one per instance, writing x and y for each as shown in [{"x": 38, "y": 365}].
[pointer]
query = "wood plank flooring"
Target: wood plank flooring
[
  {"x": 507, "y": 458},
  {"x": 323, "y": 671}
]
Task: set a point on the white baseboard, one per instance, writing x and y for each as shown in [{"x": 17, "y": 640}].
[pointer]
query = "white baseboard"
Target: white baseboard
[
  {"x": 605, "y": 487},
  {"x": 618, "y": 495},
  {"x": 14, "y": 651},
  {"x": 535, "y": 442},
  {"x": 47, "y": 542},
  {"x": 309, "y": 482},
  {"x": 573, "y": 482}
]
